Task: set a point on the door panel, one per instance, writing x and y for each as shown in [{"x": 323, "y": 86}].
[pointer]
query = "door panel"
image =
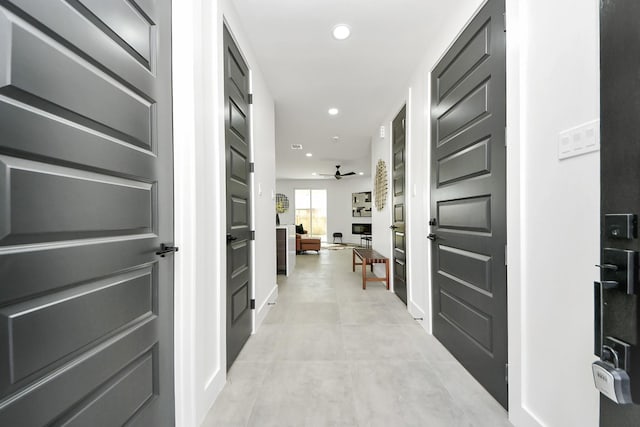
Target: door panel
[
  {"x": 619, "y": 177},
  {"x": 86, "y": 198},
  {"x": 398, "y": 227},
  {"x": 468, "y": 198},
  {"x": 237, "y": 148}
]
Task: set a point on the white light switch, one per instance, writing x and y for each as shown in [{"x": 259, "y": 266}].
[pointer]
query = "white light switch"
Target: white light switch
[{"x": 579, "y": 140}]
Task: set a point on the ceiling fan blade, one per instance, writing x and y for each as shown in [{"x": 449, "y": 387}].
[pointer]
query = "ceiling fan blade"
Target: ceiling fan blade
[
  {"x": 348, "y": 173},
  {"x": 326, "y": 174}
]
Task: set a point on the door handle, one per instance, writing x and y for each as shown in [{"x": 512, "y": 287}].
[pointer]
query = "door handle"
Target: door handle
[
  {"x": 432, "y": 237},
  {"x": 166, "y": 249},
  {"x": 393, "y": 227},
  {"x": 598, "y": 312},
  {"x": 611, "y": 267},
  {"x": 231, "y": 238}
]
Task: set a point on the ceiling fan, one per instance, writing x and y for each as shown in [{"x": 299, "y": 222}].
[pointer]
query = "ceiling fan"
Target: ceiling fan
[{"x": 338, "y": 175}]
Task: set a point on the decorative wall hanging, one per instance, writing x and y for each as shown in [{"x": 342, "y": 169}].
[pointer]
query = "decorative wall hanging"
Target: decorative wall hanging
[
  {"x": 380, "y": 185},
  {"x": 361, "y": 203},
  {"x": 282, "y": 205}
]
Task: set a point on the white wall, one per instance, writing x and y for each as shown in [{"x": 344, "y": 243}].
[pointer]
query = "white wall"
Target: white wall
[
  {"x": 559, "y": 211},
  {"x": 339, "y": 217},
  {"x": 553, "y": 84},
  {"x": 200, "y": 286},
  {"x": 382, "y": 219}
]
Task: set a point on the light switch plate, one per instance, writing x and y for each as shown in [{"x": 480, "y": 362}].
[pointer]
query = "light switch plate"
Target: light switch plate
[{"x": 579, "y": 140}]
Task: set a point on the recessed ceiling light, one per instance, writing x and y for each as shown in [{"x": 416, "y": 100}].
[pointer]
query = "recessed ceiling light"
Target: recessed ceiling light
[
  {"x": 335, "y": 138},
  {"x": 333, "y": 111},
  {"x": 361, "y": 173},
  {"x": 309, "y": 154},
  {"x": 314, "y": 173},
  {"x": 341, "y": 32}
]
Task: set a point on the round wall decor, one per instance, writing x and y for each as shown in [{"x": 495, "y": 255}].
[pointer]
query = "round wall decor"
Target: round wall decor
[
  {"x": 380, "y": 185},
  {"x": 282, "y": 203}
]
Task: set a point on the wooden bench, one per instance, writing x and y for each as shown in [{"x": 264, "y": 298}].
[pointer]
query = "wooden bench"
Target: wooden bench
[{"x": 370, "y": 257}]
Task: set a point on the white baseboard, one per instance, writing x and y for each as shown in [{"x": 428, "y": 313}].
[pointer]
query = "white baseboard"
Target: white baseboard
[
  {"x": 415, "y": 310},
  {"x": 522, "y": 417},
  {"x": 265, "y": 307}
]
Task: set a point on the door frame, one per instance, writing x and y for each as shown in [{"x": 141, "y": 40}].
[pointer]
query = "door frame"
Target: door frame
[
  {"x": 407, "y": 204},
  {"x": 519, "y": 413},
  {"x": 201, "y": 258},
  {"x": 405, "y": 102},
  {"x": 185, "y": 166}
]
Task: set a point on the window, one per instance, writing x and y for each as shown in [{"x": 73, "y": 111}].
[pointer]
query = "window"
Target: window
[{"x": 311, "y": 212}]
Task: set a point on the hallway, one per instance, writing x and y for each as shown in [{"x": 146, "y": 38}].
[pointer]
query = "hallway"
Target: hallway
[{"x": 330, "y": 353}]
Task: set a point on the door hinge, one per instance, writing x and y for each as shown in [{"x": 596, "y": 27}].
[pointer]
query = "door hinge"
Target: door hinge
[
  {"x": 506, "y": 373},
  {"x": 253, "y": 235},
  {"x": 504, "y": 21},
  {"x": 253, "y": 304},
  {"x": 252, "y": 167},
  {"x": 250, "y": 98},
  {"x": 505, "y": 255},
  {"x": 403, "y": 123}
]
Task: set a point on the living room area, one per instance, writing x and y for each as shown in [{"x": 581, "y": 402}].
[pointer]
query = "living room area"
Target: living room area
[{"x": 325, "y": 214}]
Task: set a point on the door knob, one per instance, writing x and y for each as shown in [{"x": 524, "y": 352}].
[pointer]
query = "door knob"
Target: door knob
[
  {"x": 231, "y": 238},
  {"x": 432, "y": 237},
  {"x": 394, "y": 227}
]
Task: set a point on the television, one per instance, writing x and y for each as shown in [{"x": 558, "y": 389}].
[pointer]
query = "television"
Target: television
[{"x": 360, "y": 228}]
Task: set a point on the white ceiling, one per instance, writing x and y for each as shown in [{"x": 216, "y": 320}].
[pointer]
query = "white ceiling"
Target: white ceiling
[{"x": 364, "y": 76}]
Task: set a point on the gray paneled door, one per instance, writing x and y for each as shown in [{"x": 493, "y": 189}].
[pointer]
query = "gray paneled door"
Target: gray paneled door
[
  {"x": 468, "y": 197},
  {"x": 237, "y": 148},
  {"x": 617, "y": 307},
  {"x": 86, "y": 200},
  {"x": 398, "y": 227}
]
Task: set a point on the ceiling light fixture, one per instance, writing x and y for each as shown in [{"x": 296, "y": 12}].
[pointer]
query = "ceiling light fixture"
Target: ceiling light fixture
[
  {"x": 314, "y": 173},
  {"x": 335, "y": 138},
  {"x": 361, "y": 173},
  {"x": 341, "y": 32},
  {"x": 333, "y": 111},
  {"x": 309, "y": 154}
]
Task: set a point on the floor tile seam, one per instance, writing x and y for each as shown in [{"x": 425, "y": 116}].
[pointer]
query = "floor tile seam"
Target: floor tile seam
[
  {"x": 254, "y": 398},
  {"x": 359, "y": 418},
  {"x": 441, "y": 376}
]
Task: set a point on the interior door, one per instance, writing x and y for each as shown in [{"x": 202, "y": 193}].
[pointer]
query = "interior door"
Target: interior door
[
  {"x": 86, "y": 200},
  {"x": 399, "y": 236},
  {"x": 237, "y": 148},
  {"x": 617, "y": 312},
  {"x": 468, "y": 199}
]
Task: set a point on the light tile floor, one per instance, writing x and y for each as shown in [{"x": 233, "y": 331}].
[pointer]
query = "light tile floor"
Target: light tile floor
[{"x": 332, "y": 354}]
